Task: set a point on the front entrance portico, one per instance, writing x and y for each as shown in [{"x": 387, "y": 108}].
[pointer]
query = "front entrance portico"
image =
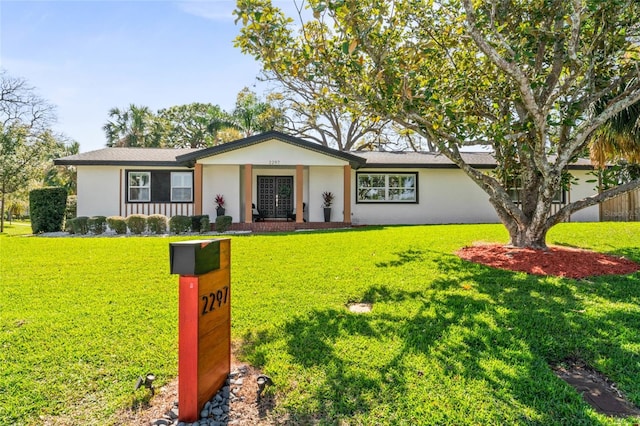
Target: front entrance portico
[{"x": 278, "y": 174}]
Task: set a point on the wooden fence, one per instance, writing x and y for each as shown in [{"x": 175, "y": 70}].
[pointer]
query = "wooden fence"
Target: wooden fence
[{"x": 623, "y": 208}]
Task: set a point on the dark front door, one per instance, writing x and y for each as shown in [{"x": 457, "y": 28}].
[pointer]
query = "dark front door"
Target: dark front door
[{"x": 275, "y": 195}]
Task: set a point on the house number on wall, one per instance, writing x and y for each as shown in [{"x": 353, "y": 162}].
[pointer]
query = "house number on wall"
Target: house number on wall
[
  {"x": 214, "y": 300},
  {"x": 274, "y": 162}
]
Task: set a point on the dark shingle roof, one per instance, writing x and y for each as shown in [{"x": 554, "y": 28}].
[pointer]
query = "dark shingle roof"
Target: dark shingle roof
[
  {"x": 355, "y": 160},
  {"x": 364, "y": 159},
  {"x": 479, "y": 160},
  {"x": 424, "y": 159},
  {"x": 126, "y": 156}
]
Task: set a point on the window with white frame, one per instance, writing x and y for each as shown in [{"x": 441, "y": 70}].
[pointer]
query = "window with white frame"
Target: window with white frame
[
  {"x": 159, "y": 186},
  {"x": 181, "y": 187},
  {"x": 139, "y": 186},
  {"x": 387, "y": 187}
]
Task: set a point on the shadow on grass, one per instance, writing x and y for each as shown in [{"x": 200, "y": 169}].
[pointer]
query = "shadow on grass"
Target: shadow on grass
[
  {"x": 499, "y": 329},
  {"x": 404, "y": 257}
]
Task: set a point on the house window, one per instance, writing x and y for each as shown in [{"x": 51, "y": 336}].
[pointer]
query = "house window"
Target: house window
[
  {"x": 159, "y": 186},
  {"x": 514, "y": 190},
  {"x": 387, "y": 187},
  {"x": 139, "y": 186},
  {"x": 181, "y": 187}
]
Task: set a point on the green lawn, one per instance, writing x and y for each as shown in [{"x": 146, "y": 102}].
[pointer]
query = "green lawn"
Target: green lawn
[
  {"x": 16, "y": 227},
  {"x": 447, "y": 342}
]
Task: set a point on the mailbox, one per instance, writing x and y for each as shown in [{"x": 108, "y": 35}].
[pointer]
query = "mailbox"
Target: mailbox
[
  {"x": 204, "y": 321},
  {"x": 194, "y": 257}
]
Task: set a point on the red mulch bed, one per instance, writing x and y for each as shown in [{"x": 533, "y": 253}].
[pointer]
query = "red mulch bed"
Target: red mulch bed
[{"x": 556, "y": 261}]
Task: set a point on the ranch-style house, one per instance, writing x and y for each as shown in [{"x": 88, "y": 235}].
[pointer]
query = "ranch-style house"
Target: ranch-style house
[{"x": 284, "y": 177}]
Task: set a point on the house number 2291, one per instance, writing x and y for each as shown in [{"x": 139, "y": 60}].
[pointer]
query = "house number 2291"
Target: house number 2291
[{"x": 214, "y": 300}]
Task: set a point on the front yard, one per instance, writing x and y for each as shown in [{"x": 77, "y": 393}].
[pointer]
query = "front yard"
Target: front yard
[{"x": 447, "y": 341}]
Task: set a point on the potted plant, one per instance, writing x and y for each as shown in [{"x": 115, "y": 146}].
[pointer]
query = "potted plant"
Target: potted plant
[
  {"x": 327, "y": 200},
  {"x": 219, "y": 200}
]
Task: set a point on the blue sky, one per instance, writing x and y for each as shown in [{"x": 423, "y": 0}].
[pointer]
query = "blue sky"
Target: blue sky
[{"x": 88, "y": 56}]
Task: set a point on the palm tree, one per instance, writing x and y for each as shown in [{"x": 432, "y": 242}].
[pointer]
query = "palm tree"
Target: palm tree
[
  {"x": 132, "y": 127},
  {"x": 252, "y": 115},
  {"x": 618, "y": 139}
]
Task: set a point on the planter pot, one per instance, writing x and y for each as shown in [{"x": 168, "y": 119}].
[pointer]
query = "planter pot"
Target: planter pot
[
  {"x": 327, "y": 214},
  {"x": 220, "y": 211}
]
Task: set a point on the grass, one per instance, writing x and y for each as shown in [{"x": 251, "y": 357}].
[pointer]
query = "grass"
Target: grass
[
  {"x": 447, "y": 342},
  {"x": 16, "y": 227}
]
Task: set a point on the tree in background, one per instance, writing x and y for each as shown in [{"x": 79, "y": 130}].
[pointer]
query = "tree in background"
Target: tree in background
[
  {"x": 521, "y": 78},
  {"x": 252, "y": 115},
  {"x": 135, "y": 126},
  {"x": 310, "y": 114},
  {"x": 25, "y": 138},
  {"x": 62, "y": 176},
  {"x": 194, "y": 125},
  {"x": 615, "y": 148}
]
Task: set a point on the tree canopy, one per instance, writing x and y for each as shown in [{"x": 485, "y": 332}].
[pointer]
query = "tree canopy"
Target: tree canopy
[
  {"x": 194, "y": 125},
  {"x": 25, "y": 138},
  {"x": 531, "y": 80}
]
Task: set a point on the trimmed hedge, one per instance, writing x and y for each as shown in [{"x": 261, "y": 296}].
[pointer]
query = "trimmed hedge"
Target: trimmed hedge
[
  {"x": 200, "y": 223},
  {"x": 47, "y": 207},
  {"x": 71, "y": 210},
  {"x": 157, "y": 224},
  {"x": 117, "y": 224},
  {"x": 205, "y": 224},
  {"x": 223, "y": 223},
  {"x": 79, "y": 225},
  {"x": 137, "y": 223},
  {"x": 97, "y": 224},
  {"x": 179, "y": 224}
]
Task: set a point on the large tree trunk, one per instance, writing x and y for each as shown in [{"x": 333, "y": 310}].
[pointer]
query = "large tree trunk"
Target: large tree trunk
[
  {"x": 531, "y": 236},
  {"x": 525, "y": 230}
]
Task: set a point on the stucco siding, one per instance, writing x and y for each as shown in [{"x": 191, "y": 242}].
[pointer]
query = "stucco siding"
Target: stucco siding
[
  {"x": 323, "y": 179},
  {"x": 224, "y": 180},
  {"x": 273, "y": 153},
  {"x": 581, "y": 190},
  {"x": 444, "y": 196},
  {"x": 98, "y": 190}
]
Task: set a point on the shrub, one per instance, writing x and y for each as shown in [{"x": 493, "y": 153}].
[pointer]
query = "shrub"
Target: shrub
[
  {"x": 197, "y": 224},
  {"x": 179, "y": 224},
  {"x": 47, "y": 206},
  {"x": 68, "y": 226},
  {"x": 71, "y": 209},
  {"x": 117, "y": 224},
  {"x": 97, "y": 224},
  {"x": 137, "y": 223},
  {"x": 80, "y": 225},
  {"x": 157, "y": 224},
  {"x": 205, "y": 224},
  {"x": 223, "y": 223}
]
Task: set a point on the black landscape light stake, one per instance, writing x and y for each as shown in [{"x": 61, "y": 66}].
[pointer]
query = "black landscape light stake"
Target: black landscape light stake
[
  {"x": 263, "y": 381},
  {"x": 147, "y": 382}
]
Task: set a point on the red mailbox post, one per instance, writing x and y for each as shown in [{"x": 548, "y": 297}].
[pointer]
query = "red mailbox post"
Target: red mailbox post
[{"x": 204, "y": 321}]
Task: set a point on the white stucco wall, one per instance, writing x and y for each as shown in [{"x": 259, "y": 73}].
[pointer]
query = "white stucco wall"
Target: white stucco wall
[
  {"x": 444, "y": 196},
  {"x": 581, "y": 190},
  {"x": 224, "y": 180},
  {"x": 98, "y": 190},
  {"x": 323, "y": 179},
  {"x": 273, "y": 153},
  {"x": 449, "y": 196}
]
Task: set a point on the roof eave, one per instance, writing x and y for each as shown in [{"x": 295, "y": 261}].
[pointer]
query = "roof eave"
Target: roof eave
[
  {"x": 354, "y": 160},
  {"x": 63, "y": 162}
]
